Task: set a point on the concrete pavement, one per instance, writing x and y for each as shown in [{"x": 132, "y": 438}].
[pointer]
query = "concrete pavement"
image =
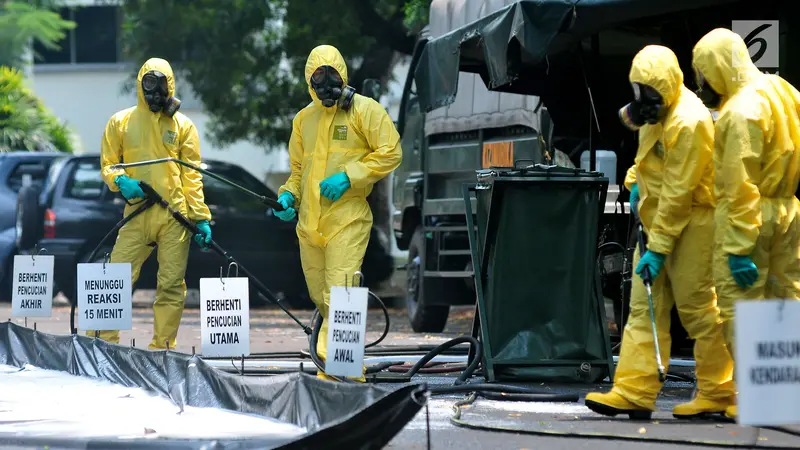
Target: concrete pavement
[{"x": 273, "y": 331}]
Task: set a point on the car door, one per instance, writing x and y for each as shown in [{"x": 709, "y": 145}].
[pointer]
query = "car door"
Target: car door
[
  {"x": 245, "y": 228},
  {"x": 83, "y": 206}
]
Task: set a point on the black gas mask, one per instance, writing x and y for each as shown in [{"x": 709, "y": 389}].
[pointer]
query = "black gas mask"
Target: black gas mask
[
  {"x": 330, "y": 88},
  {"x": 707, "y": 95},
  {"x": 156, "y": 93},
  {"x": 647, "y": 107}
]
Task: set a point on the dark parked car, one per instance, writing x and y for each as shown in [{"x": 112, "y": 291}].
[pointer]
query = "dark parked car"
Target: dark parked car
[
  {"x": 75, "y": 209},
  {"x": 16, "y": 168}
]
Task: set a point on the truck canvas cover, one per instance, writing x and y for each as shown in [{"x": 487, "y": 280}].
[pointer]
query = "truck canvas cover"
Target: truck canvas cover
[
  {"x": 510, "y": 48},
  {"x": 476, "y": 106}
]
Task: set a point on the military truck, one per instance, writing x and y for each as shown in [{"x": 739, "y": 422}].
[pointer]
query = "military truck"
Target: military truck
[
  {"x": 442, "y": 150},
  {"x": 557, "y": 72}
]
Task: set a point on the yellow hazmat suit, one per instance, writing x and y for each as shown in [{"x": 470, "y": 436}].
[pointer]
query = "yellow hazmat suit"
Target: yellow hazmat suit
[
  {"x": 674, "y": 172},
  {"x": 137, "y": 134},
  {"x": 757, "y": 157},
  {"x": 364, "y": 143}
]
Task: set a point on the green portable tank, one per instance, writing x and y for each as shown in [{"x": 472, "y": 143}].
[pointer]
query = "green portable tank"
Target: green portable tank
[{"x": 539, "y": 309}]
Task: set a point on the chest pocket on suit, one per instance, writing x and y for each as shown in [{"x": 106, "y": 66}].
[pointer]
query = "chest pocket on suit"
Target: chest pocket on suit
[
  {"x": 169, "y": 138},
  {"x": 345, "y": 136}
]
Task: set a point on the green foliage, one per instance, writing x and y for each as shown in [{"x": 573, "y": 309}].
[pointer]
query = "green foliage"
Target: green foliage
[
  {"x": 25, "y": 123},
  {"x": 24, "y": 22},
  {"x": 417, "y": 13},
  {"x": 245, "y": 58}
]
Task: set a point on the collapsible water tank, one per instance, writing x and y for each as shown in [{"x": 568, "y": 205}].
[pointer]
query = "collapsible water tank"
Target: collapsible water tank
[{"x": 606, "y": 163}]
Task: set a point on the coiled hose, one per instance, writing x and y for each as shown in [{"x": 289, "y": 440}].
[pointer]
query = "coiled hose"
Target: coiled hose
[{"x": 486, "y": 390}]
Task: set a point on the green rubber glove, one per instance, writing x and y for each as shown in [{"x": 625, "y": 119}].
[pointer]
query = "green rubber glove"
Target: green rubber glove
[
  {"x": 653, "y": 261},
  {"x": 287, "y": 201},
  {"x": 634, "y": 200},
  {"x": 743, "y": 269},
  {"x": 204, "y": 237},
  {"x": 334, "y": 186},
  {"x": 128, "y": 187}
]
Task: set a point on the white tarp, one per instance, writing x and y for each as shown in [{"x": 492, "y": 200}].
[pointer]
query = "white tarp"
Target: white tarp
[
  {"x": 44, "y": 403},
  {"x": 475, "y": 107}
]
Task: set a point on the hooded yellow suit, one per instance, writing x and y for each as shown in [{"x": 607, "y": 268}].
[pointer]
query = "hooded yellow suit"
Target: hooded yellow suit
[
  {"x": 674, "y": 172},
  {"x": 137, "y": 134},
  {"x": 364, "y": 143},
  {"x": 757, "y": 160}
]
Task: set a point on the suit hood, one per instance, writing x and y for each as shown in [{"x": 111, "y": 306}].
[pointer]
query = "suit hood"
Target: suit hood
[
  {"x": 722, "y": 58},
  {"x": 324, "y": 55},
  {"x": 657, "y": 66},
  {"x": 160, "y": 65}
]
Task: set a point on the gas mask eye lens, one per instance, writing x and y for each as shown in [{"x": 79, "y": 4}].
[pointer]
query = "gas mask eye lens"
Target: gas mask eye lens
[
  {"x": 319, "y": 75},
  {"x": 149, "y": 82}
]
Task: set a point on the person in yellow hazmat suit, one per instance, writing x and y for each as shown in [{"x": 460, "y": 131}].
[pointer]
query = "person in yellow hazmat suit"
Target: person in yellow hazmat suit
[
  {"x": 150, "y": 130},
  {"x": 671, "y": 185},
  {"x": 757, "y": 161},
  {"x": 342, "y": 143}
]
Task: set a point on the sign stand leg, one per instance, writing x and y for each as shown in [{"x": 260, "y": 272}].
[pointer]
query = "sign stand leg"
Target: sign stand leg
[
  {"x": 133, "y": 342},
  {"x": 242, "y": 365},
  {"x": 166, "y": 344},
  {"x": 193, "y": 350},
  {"x": 96, "y": 334},
  {"x": 34, "y": 326},
  {"x": 26, "y": 322}
]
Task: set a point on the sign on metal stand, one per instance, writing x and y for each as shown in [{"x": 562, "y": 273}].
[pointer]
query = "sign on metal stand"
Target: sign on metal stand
[
  {"x": 768, "y": 362},
  {"x": 347, "y": 329},
  {"x": 32, "y": 287},
  {"x": 225, "y": 315},
  {"x": 105, "y": 296}
]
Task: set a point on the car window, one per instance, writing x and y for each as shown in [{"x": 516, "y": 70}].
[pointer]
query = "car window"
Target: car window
[
  {"x": 36, "y": 169},
  {"x": 85, "y": 181},
  {"x": 218, "y": 193}
]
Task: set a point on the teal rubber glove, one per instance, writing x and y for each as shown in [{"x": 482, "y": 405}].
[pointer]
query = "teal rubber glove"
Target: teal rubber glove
[
  {"x": 634, "y": 200},
  {"x": 203, "y": 238},
  {"x": 653, "y": 261},
  {"x": 287, "y": 201},
  {"x": 743, "y": 269},
  {"x": 128, "y": 187},
  {"x": 334, "y": 186}
]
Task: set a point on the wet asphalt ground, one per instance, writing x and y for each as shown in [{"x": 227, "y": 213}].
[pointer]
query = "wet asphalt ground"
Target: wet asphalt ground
[{"x": 552, "y": 423}]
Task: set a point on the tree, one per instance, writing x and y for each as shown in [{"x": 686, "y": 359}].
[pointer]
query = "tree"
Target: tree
[
  {"x": 245, "y": 58},
  {"x": 25, "y": 124},
  {"x": 22, "y": 23},
  {"x": 417, "y": 14}
]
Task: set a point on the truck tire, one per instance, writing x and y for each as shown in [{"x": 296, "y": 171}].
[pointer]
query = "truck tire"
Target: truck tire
[
  {"x": 424, "y": 318},
  {"x": 29, "y": 218}
]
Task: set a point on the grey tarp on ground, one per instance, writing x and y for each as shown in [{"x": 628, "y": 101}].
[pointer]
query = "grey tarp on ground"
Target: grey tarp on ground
[
  {"x": 524, "y": 34},
  {"x": 340, "y": 415}
]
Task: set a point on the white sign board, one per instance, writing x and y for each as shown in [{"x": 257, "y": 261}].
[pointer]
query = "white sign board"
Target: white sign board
[
  {"x": 225, "y": 316},
  {"x": 768, "y": 362},
  {"x": 105, "y": 296},
  {"x": 347, "y": 330},
  {"x": 32, "y": 289}
]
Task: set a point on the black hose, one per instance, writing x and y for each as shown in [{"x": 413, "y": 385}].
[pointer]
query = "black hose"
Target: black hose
[
  {"x": 385, "y": 328},
  {"x": 146, "y": 204},
  {"x": 517, "y": 393},
  {"x": 467, "y": 373}
]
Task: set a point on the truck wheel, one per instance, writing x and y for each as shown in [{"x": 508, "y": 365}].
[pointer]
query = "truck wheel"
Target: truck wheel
[
  {"x": 424, "y": 318},
  {"x": 29, "y": 220}
]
